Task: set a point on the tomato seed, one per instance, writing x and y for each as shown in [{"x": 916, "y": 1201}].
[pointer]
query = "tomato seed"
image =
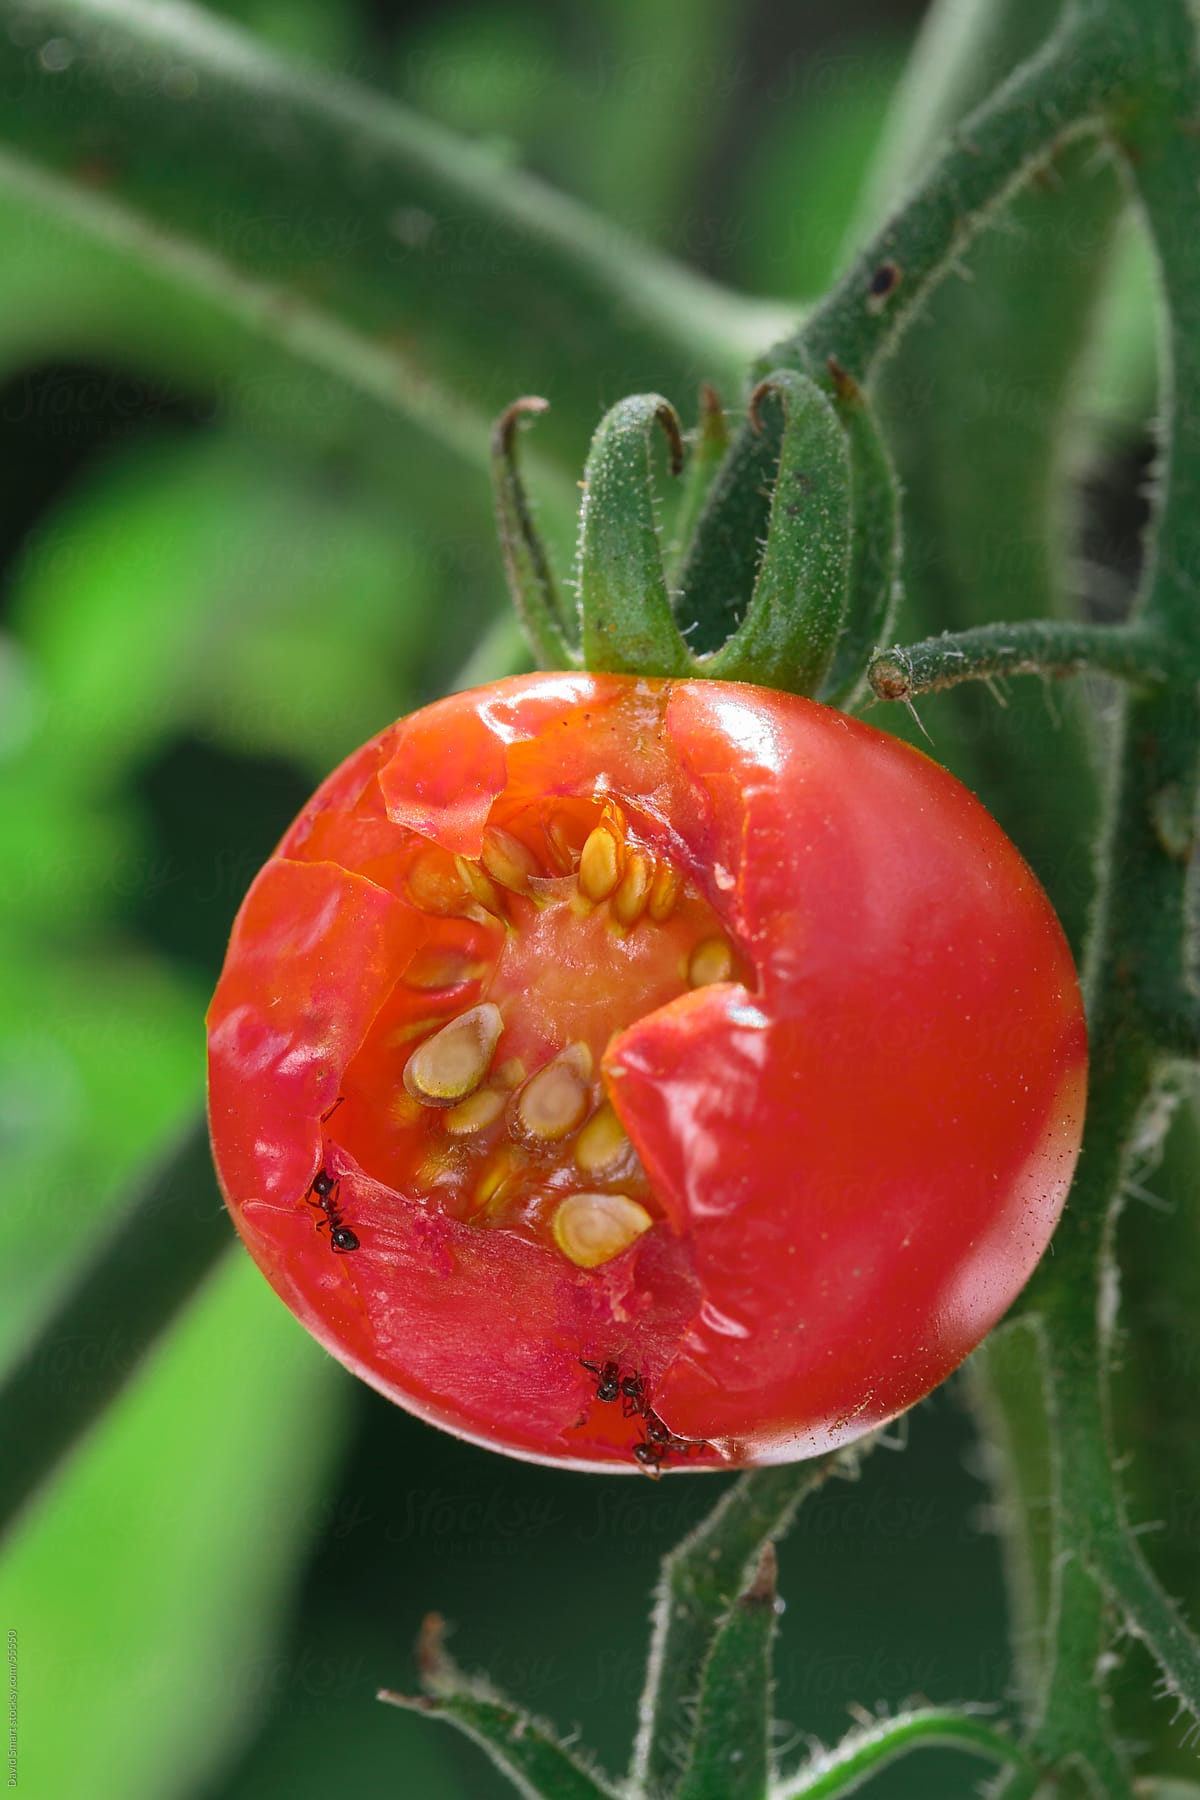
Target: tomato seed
[
  {"x": 600, "y": 864},
  {"x": 453, "y": 1062},
  {"x": 591, "y": 1229},
  {"x": 710, "y": 961}
]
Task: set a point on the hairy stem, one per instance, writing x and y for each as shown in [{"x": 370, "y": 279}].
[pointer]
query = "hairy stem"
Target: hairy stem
[
  {"x": 1052, "y": 97},
  {"x": 1027, "y": 647},
  {"x": 388, "y": 251},
  {"x": 863, "y": 1754}
]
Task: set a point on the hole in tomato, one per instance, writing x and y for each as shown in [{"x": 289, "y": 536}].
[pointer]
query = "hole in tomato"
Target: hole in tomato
[{"x": 478, "y": 1090}]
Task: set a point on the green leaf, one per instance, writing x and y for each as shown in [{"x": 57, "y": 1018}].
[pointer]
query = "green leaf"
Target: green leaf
[
  {"x": 798, "y": 604},
  {"x": 100, "y": 1063},
  {"x": 154, "y": 600},
  {"x": 701, "y": 1580},
  {"x": 150, "y": 1262},
  {"x": 149, "y": 1589},
  {"x": 730, "y": 1757},
  {"x": 625, "y": 611}
]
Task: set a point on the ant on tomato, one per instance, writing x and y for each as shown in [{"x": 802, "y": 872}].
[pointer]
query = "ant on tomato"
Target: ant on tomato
[
  {"x": 650, "y": 1455},
  {"x": 635, "y": 1396},
  {"x": 325, "y": 1188},
  {"x": 660, "y": 1442},
  {"x": 630, "y": 1390},
  {"x": 608, "y": 1378}
]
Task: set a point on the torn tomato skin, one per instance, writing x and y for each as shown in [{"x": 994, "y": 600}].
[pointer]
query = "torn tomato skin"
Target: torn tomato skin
[{"x": 860, "y": 1151}]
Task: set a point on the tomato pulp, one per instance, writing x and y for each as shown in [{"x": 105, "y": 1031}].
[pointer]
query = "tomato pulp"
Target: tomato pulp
[{"x": 643, "y": 1073}]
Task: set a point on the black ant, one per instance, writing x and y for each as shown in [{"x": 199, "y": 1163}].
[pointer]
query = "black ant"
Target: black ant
[
  {"x": 650, "y": 1456},
  {"x": 635, "y": 1395},
  {"x": 630, "y": 1390},
  {"x": 633, "y": 1392},
  {"x": 608, "y": 1378},
  {"x": 660, "y": 1442},
  {"x": 325, "y": 1187}
]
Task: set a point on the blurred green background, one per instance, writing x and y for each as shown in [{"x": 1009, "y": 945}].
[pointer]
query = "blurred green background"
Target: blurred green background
[{"x": 219, "y": 576}]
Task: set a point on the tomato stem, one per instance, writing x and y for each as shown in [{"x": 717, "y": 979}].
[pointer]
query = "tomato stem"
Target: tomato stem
[{"x": 1026, "y": 647}]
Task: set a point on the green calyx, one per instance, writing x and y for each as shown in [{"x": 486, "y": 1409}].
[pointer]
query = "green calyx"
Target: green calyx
[{"x": 804, "y": 615}]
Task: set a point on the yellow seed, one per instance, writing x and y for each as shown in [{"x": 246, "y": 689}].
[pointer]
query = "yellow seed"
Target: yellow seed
[
  {"x": 435, "y": 884},
  {"x": 478, "y": 885},
  {"x": 600, "y": 864},
  {"x": 664, "y": 892},
  {"x": 591, "y": 1229},
  {"x": 440, "y": 1170},
  {"x": 415, "y": 1028},
  {"x": 495, "y": 1174},
  {"x": 511, "y": 1073},
  {"x": 602, "y": 1145},
  {"x": 710, "y": 961},
  {"x": 629, "y": 901},
  {"x": 507, "y": 860},
  {"x": 564, "y": 852},
  {"x": 555, "y": 1100},
  {"x": 453, "y": 1062},
  {"x": 440, "y": 967},
  {"x": 475, "y": 1113}
]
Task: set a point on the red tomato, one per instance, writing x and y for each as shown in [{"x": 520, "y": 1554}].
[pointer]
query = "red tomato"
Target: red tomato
[{"x": 617, "y": 1071}]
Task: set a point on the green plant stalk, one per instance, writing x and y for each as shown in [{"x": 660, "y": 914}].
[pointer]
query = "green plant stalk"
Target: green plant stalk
[
  {"x": 983, "y": 411},
  {"x": 410, "y": 262},
  {"x": 1057, "y": 94},
  {"x": 1137, "y": 959},
  {"x": 1026, "y": 647},
  {"x": 524, "y": 1750},
  {"x": 979, "y": 406},
  {"x": 730, "y": 1750},
  {"x": 1051, "y": 99},
  {"x": 700, "y": 1580},
  {"x": 863, "y": 1754},
  {"x": 1159, "y": 1354},
  {"x": 1006, "y": 1383}
]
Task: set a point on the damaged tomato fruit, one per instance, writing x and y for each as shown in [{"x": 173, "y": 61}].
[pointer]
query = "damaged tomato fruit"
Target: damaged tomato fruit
[{"x": 646, "y": 1074}]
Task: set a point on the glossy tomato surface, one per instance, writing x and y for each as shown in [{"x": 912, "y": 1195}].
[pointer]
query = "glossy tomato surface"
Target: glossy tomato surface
[{"x": 646, "y": 1074}]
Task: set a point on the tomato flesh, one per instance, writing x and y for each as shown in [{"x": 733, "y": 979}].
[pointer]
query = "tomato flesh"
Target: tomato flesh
[{"x": 684, "y": 1030}]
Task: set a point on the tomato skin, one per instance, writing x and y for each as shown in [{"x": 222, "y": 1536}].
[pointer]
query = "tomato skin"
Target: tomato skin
[{"x": 859, "y": 1151}]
